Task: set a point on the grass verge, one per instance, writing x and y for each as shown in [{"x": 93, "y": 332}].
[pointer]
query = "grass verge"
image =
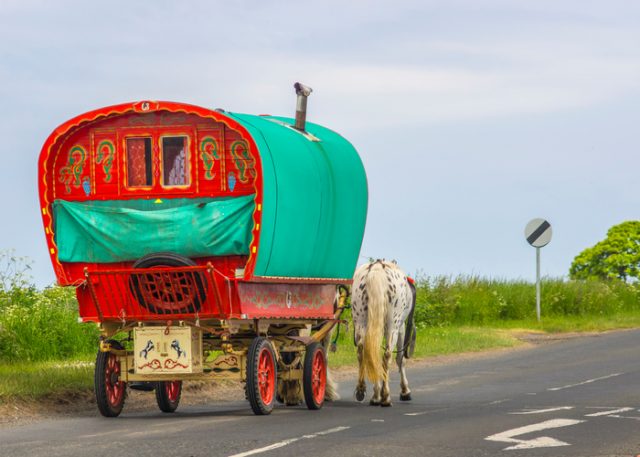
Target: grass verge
[
  {"x": 33, "y": 381},
  {"x": 437, "y": 341}
]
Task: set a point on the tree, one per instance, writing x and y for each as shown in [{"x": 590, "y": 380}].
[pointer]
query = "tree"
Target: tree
[{"x": 617, "y": 256}]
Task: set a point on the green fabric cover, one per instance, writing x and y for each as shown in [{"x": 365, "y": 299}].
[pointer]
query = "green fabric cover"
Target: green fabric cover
[
  {"x": 125, "y": 230},
  {"x": 314, "y": 200}
]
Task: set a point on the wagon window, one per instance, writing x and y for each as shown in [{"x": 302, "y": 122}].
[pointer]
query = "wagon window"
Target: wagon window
[
  {"x": 175, "y": 164},
  {"x": 139, "y": 173}
]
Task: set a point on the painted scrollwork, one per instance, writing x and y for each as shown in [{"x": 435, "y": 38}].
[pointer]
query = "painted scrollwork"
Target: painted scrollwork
[{"x": 71, "y": 173}]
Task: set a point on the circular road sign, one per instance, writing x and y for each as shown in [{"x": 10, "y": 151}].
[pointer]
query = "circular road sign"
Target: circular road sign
[{"x": 538, "y": 233}]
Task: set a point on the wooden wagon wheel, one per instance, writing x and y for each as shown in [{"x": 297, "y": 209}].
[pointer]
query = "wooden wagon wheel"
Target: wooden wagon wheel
[
  {"x": 261, "y": 376},
  {"x": 110, "y": 392},
  {"x": 314, "y": 377},
  {"x": 168, "y": 395}
]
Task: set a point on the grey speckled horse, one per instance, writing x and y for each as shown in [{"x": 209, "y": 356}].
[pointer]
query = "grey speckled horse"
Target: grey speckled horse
[{"x": 382, "y": 299}]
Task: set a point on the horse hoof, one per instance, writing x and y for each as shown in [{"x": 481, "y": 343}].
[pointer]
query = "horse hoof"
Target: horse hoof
[
  {"x": 359, "y": 396},
  {"x": 373, "y": 402},
  {"x": 405, "y": 397},
  {"x": 386, "y": 403}
]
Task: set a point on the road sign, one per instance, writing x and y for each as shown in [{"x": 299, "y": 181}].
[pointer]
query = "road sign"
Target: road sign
[{"x": 538, "y": 233}]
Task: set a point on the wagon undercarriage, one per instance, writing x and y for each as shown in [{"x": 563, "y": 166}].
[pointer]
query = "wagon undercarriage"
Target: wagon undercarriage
[{"x": 263, "y": 353}]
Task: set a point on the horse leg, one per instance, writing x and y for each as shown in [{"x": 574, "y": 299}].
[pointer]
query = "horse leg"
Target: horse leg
[
  {"x": 331, "y": 392},
  {"x": 375, "y": 399},
  {"x": 361, "y": 388},
  {"x": 386, "y": 394},
  {"x": 405, "y": 392}
]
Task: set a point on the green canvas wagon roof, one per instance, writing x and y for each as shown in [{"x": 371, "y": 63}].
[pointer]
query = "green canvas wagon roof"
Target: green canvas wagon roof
[{"x": 314, "y": 200}]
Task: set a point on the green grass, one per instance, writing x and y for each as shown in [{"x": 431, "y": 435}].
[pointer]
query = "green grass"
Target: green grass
[
  {"x": 36, "y": 380},
  {"x": 474, "y": 301},
  {"x": 436, "y": 341},
  {"x": 43, "y": 325},
  {"x": 563, "y": 324}
]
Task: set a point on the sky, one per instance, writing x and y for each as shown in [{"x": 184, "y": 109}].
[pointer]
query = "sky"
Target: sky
[{"x": 471, "y": 117}]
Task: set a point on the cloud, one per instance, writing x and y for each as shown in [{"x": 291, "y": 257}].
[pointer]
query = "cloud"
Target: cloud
[{"x": 416, "y": 65}]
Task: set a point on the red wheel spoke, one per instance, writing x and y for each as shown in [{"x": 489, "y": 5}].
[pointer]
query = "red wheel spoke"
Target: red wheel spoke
[
  {"x": 318, "y": 376},
  {"x": 114, "y": 389}
]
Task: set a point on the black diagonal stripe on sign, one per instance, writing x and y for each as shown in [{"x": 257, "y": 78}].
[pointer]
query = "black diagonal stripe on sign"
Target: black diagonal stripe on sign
[{"x": 538, "y": 232}]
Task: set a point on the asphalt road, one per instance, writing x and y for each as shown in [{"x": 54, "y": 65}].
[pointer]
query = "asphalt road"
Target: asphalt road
[{"x": 578, "y": 397}]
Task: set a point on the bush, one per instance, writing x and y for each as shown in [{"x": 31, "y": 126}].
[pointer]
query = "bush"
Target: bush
[
  {"x": 43, "y": 325},
  {"x": 472, "y": 300}
]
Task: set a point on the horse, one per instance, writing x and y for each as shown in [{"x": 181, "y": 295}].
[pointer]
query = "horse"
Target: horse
[
  {"x": 383, "y": 299},
  {"x": 175, "y": 345}
]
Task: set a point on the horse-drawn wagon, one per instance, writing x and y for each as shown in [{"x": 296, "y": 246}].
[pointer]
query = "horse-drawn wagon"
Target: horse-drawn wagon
[{"x": 205, "y": 244}]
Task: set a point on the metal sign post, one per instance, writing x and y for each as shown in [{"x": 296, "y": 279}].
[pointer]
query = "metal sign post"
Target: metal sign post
[{"x": 538, "y": 234}]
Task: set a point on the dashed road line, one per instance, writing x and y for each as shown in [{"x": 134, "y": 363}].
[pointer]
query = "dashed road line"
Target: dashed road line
[
  {"x": 608, "y": 413},
  {"x": 588, "y": 381},
  {"x": 284, "y": 443},
  {"x": 542, "y": 411}
]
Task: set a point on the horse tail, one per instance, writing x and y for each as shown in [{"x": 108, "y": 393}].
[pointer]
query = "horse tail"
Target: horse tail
[{"x": 376, "y": 287}]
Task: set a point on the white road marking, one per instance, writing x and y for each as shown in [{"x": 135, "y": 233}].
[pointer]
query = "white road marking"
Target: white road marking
[
  {"x": 95, "y": 435},
  {"x": 543, "y": 441},
  {"x": 421, "y": 413},
  {"x": 542, "y": 411},
  {"x": 607, "y": 413},
  {"x": 497, "y": 402},
  {"x": 289, "y": 441},
  {"x": 377, "y": 420},
  {"x": 588, "y": 381},
  {"x": 625, "y": 417}
]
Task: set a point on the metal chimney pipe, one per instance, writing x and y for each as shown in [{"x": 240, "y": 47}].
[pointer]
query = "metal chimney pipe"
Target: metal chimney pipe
[{"x": 301, "y": 104}]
